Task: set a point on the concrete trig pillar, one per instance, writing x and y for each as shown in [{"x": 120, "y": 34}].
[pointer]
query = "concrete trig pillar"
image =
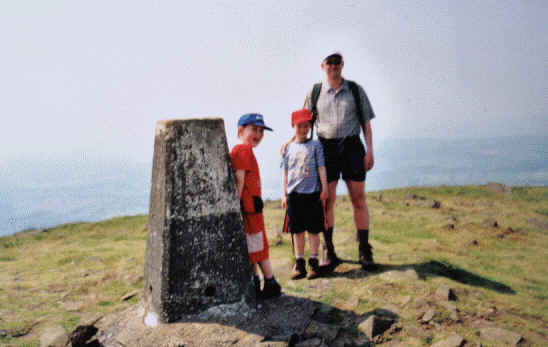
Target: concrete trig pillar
[{"x": 196, "y": 253}]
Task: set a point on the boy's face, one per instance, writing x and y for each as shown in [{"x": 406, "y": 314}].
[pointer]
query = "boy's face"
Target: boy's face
[
  {"x": 252, "y": 135},
  {"x": 301, "y": 130}
]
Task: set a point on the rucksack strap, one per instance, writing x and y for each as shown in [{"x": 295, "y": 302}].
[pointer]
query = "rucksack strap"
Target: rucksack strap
[
  {"x": 359, "y": 107},
  {"x": 314, "y": 101}
]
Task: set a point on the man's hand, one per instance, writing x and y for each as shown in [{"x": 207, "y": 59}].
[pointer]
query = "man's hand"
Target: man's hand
[
  {"x": 282, "y": 150},
  {"x": 323, "y": 196},
  {"x": 284, "y": 202},
  {"x": 368, "y": 161}
]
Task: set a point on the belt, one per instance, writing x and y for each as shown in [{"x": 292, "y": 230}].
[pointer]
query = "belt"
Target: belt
[{"x": 340, "y": 139}]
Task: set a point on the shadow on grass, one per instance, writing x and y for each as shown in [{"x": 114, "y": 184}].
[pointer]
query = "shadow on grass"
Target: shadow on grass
[{"x": 430, "y": 269}]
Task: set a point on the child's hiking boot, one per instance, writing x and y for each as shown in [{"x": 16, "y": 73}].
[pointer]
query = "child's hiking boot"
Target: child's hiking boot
[
  {"x": 299, "y": 269},
  {"x": 257, "y": 284},
  {"x": 271, "y": 289},
  {"x": 313, "y": 268},
  {"x": 365, "y": 251}
]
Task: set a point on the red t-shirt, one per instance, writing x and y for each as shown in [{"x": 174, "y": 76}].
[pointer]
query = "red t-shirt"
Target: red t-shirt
[{"x": 243, "y": 159}]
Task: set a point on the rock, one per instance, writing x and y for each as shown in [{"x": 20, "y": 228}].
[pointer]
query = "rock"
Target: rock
[
  {"x": 453, "y": 311},
  {"x": 92, "y": 259},
  {"x": 412, "y": 196},
  {"x": 55, "y": 336},
  {"x": 445, "y": 292},
  {"x": 227, "y": 311},
  {"x": 452, "y": 341},
  {"x": 314, "y": 342},
  {"x": 80, "y": 336},
  {"x": 389, "y": 311},
  {"x": 494, "y": 187},
  {"x": 472, "y": 243},
  {"x": 398, "y": 276},
  {"x": 72, "y": 306},
  {"x": 129, "y": 295},
  {"x": 428, "y": 316},
  {"x": 419, "y": 302},
  {"x": 328, "y": 332},
  {"x": 433, "y": 203},
  {"x": 405, "y": 300},
  {"x": 39, "y": 231},
  {"x": 501, "y": 335},
  {"x": 353, "y": 302},
  {"x": 326, "y": 314},
  {"x": 375, "y": 325},
  {"x": 537, "y": 223},
  {"x": 449, "y": 226},
  {"x": 379, "y": 197},
  {"x": 491, "y": 222}
]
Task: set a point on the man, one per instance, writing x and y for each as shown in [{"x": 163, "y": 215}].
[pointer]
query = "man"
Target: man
[{"x": 338, "y": 126}]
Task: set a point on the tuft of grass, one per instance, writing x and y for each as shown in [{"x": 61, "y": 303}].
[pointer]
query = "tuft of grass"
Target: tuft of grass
[{"x": 542, "y": 211}]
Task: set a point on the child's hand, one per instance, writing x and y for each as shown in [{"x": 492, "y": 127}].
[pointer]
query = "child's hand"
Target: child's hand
[
  {"x": 284, "y": 202},
  {"x": 323, "y": 195}
]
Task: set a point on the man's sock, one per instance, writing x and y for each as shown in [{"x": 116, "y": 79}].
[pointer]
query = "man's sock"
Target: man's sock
[
  {"x": 328, "y": 236},
  {"x": 363, "y": 235}
]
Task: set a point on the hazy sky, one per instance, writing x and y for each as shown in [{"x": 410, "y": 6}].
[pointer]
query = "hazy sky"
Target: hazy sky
[{"x": 97, "y": 75}]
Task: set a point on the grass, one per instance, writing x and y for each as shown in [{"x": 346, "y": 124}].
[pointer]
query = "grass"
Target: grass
[{"x": 95, "y": 264}]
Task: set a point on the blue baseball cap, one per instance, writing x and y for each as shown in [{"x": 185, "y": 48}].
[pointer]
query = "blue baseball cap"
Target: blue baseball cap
[{"x": 253, "y": 118}]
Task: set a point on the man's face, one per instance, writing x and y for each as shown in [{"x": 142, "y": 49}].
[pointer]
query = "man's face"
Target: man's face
[{"x": 333, "y": 66}]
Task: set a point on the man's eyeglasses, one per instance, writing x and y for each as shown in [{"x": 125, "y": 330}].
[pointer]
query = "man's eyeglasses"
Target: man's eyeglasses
[{"x": 336, "y": 60}]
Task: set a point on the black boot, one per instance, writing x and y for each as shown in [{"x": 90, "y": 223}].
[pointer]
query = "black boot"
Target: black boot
[
  {"x": 299, "y": 269},
  {"x": 334, "y": 261},
  {"x": 271, "y": 288},
  {"x": 365, "y": 250},
  {"x": 257, "y": 283}
]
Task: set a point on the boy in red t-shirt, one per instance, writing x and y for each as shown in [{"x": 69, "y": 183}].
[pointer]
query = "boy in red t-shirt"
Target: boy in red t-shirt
[{"x": 248, "y": 183}]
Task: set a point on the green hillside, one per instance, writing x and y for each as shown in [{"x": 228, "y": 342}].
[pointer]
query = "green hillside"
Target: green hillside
[{"x": 490, "y": 247}]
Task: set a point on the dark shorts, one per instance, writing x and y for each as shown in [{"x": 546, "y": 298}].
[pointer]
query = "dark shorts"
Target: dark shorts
[
  {"x": 344, "y": 156},
  {"x": 305, "y": 213}
]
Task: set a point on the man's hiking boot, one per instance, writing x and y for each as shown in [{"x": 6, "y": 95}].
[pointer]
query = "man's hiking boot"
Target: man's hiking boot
[
  {"x": 271, "y": 289},
  {"x": 329, "y": 252},
  {"x": 313, "y": 268},
  {"x": 365, "y": 251},
  {"x": 299, "y": 269},
  {"x": 334, "y": 261}
]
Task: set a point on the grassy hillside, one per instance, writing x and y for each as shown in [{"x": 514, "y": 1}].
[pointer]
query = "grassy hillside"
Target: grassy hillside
[{"x": 76, "y": 272}]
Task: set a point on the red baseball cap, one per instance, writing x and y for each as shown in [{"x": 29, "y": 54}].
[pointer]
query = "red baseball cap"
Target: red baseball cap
[{"x": 300, "y": 116}]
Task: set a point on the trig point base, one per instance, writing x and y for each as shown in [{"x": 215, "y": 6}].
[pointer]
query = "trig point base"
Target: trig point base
[{"x": 196, "y": 253}]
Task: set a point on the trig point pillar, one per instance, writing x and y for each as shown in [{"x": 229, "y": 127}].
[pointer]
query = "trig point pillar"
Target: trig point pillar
[{"x": 196, "y": 253}]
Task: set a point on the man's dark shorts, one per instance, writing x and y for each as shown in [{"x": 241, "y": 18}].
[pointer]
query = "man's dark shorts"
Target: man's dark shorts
[
  {"x": 344, "y": 156},
  {"x": 305, "y": 213}
]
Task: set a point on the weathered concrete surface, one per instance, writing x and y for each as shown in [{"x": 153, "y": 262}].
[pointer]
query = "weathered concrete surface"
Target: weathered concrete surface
[{"x": 196, "y": 255}]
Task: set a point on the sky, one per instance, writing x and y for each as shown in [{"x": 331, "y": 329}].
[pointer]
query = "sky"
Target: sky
[{"x": 96, "y": 76}]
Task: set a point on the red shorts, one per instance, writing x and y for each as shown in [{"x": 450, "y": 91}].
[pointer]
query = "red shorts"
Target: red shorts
[{"x": 257, "y": 243}]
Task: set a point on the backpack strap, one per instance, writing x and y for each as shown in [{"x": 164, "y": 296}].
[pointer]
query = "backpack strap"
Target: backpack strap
[
  {"x": 314, "y": 101},
  {"x": 359, "y": 107}
]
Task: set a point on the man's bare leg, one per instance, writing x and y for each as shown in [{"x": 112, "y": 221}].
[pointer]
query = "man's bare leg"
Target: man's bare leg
[
  {"x": 328, "y": 235},
  {"x": 356, "y": 190}
]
